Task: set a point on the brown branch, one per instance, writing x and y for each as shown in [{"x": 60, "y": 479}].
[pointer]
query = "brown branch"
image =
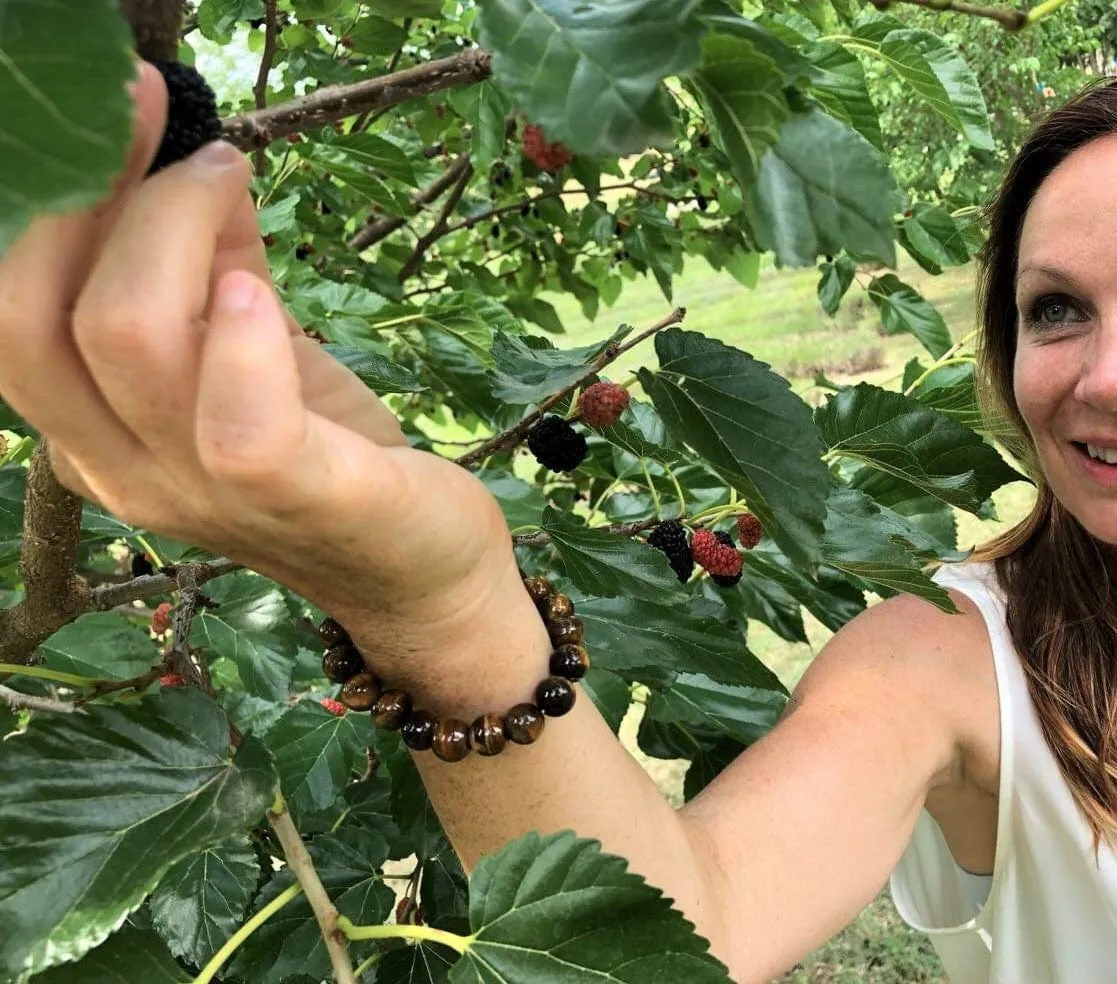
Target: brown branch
[
  {"x": 54, "y": 593},
  {"x": 380, "y": 228},
  {"x": 108, "y": 596},
  {"x": 260, "y": 89},
  {"x": 516, "y": 433},
  {"x": 338, "y": 102},
  {"x": 438, "y": 230},
  {"x": 1010, "y": 20},
  {"x": 156, "y": 27},
  {"x": 541, "y": 538},
  {"x": 16, "y": 700},
  {"x": 325, "y": 912},
  {"x": 180, "y": 657}
]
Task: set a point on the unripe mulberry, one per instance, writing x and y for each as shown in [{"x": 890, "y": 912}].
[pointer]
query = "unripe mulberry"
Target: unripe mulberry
[
  {"x": 749, "y": 530},
  {"x": 556, "y": 445},
  {"x": 602, "y": 403},
  {"x": 192, "y": 119},
  {"x": 713, "y": 553},
  {"x": 161, "y": 620},
  {"x": 670, "y": 537},
  {"x": 548, "y": 157},
  {"x": 726, "y": 580},
  {"x": 171, "y": 680},
  {"x": 335, "y": 707}
]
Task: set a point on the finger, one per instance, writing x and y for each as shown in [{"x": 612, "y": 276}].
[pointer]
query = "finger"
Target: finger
[
  {"x": 138, "y": 322},
  {"x": 42, "y": 374},
  {"x": 252, "y": 428}
]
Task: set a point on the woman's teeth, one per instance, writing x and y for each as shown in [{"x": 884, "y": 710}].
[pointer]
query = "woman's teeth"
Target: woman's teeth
[{"x": 1108, "y": 455}]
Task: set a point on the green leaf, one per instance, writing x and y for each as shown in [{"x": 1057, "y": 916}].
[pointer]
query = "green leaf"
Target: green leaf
[
  {"x": 635, "y": 638},
  {"x": 837, "y": 275},
  {"x": 202, "y": 900},
  {"x": 521, "y": 503},
  {"x": 831, "y": 599},
  {"x": 316, "y": 753},
  {"x": 839, "y": 83},
  {"x": 376, "y": 372},
  {"x": 376, "y": 36},
  {"x": 67, "y": 116},
  {"x": 87, "y": 837},
  {"x": 376, "y": 152},
  {"x": 397, "y": 9},
  {"x": 947, "y": 388},
  {"x": 606, "y": 564},
  {"x": 933, "y": 238},
  {"x": 217, "y": 19},
  {"x": 743, "y": 713},
  {"x": 486, "y": 108},
  {"x": 916, "y": 445},
  {"x": 746, "y": 423},
  {"x": 590, "y": 74},
  {"x": 559, "y": 908},
  {"x": 745, "y": 100},
  {"x": 472, "y": 319},
  {"x": 805, "y": 203},
  {"x": 941, "y": 76},
  {"x": 903, "y": 310},
  {"x": 641, "y": 431},
  {"x": 101, "y": 645},
  {"x": 128, "y": 956}
]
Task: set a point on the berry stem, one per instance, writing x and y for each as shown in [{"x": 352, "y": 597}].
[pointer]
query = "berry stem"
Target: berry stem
[
  {"x": 210, "y": 970},
  {"x": 42, "y": 673},
  {"x": 461, "y": 944},
  {"x": 678, "y": 488},
  {"x": 156, "y": 560},
  {"x": 651, "y": 487}
]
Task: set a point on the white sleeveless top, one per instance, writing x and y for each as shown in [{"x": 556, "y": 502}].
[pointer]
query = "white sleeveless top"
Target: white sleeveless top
[{"x": 1048, "y": 913}]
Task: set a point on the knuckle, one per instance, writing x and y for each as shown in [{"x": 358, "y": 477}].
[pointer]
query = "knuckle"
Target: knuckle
[{"x": 111, "y": 326}]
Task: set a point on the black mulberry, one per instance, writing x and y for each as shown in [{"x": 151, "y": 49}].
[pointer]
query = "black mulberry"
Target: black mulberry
[
  {"x": 670, "y": 537},
  {"x": 141, "y": 565},
  {"x": 192, "y": 119},
  {"x": 556, "y": 445}
]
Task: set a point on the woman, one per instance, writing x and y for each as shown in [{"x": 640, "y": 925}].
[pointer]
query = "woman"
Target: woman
[{"x": 142, "y": 338}]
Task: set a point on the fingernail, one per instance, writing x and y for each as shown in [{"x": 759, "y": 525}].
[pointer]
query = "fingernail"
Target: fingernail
[
  {"x": 236, "y": 293},
  {"x": 216, "y": 156}
]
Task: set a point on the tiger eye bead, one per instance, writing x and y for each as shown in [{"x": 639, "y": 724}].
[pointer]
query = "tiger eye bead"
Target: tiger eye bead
[
  {"x": 360, "y": 692},
  {"x": 556, "y": 607},
  {"x": 523, "y": 724},
  {"x": 539, "y": 588},
  {"x": 392, "y": 709},
  {"x": 555, "y": 696},
  {"x": 451, "y": 740},
  {"x": 332, "y": 633},
  {"x": 486, "y": 734},
  {"x": 570, "y": 662},
  {"x": 417, "y": 731},
  {"x": 342, "y": 662},
  {"x": 565, "y": 631}
]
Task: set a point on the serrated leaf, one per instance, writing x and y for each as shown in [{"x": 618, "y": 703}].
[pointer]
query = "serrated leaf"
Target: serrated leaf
[
  {"x": 376, "y": 152},
  {"x": 407, "y": 8},
  {"x": 745, "y": 714},
  {"x": 708, "y": 764},
  {"x": 376, "y": 36},
  {"x": 914, "y": 444},
  {"x": 608, "y": 565},
  {"x": 412, "y": 809},
  {"x": 471, "y": 318},
  {"x": 486, "y": 108},
  {"x": 641, "y": 431},
  {"x": 805, "y": 204},
  {"x": 559, "y": 908},
  {"x": 839, "y": 83},
  {"x": 758, "y": 597},
  {"x": 830, "y": 598},
  {"x": 316, "y": 753},
  {"x": 521, "y": 503},
  {"x": 376, "y": 372},
  {"x": 87, "y": 837},
  {"x": 217, "y": 19},
  {"x": 745, "y": 99},
  {"x": 750, "y": 428},
  {"x": 423, "y": 963},
  {"x": 933, "y": 238},
  {"x": 101, "y": 645},
  {"x": 129, "y": 956},
  {"x": 949, "y": 389},
  {"x": 67, "y": 116},
  {"x": 201, "y": 901},
  {"x": 837, "y": 275},
  {"x": 590, "y": 74},
  {"x": 903, "y": 310}
]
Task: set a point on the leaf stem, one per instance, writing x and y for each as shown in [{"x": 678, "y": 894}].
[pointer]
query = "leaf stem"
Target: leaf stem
[
  {"x": 424, "y": 934},
  {"x": 210, "y": 970},
  {"x": 651, "y": 487},
  {"x": 42, "y": 673},
  {"x": 678, "y": 488}
]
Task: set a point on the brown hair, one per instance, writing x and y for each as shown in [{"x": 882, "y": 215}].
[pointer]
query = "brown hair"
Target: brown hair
[{"x": 1055, "y": 575}]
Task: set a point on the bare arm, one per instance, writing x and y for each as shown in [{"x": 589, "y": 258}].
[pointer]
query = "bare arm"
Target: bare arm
[{"x": 776, "y": 855}]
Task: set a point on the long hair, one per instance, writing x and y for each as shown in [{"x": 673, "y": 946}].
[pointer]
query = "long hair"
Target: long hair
[{"x": 1056, "y": 576}]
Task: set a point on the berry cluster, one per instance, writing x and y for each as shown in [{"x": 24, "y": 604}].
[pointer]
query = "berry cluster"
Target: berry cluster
[
  {"x": 192, "y": 119},
  {"x": 749, "y": 530},
  {"x": 716, "y": 553},
  {"x": 601, "y": 404},
  {"x": 556, "y": 445},
  {"x": 670, "y": 537},
  {"x": 549, "y": 157}
]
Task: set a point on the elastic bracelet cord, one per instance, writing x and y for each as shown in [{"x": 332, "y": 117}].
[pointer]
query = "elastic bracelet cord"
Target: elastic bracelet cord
[{"x": 449, "y": 738}]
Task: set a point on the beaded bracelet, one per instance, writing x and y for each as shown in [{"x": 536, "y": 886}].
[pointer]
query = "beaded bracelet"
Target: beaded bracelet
[{"x": 452, "y": 739}]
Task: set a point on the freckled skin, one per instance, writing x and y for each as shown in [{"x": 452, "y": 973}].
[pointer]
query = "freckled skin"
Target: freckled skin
[{"x": 1065, "y": 371}]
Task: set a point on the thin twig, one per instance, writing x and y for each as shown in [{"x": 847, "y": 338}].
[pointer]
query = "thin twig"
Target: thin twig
[
  {"x": 137, "y": 683},
  {"x": 301, "y": 865},
  {"x": 541, "y": 539},
  {"x": 108, "y": 596},
  {"x": 1010, "y": 20},
  {"x": 260, "y": 89},
  {"x": 338, "y": 102},
  {"x": 16, "y": 700},
  {"x": 515, "y": 434},
  {"x": 179, "y": 658},
  {"x": 438, "y": 230}
]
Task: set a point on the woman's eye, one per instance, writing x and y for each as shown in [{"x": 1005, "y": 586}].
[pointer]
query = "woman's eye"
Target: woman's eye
[{"x": 1055, "y": 309}]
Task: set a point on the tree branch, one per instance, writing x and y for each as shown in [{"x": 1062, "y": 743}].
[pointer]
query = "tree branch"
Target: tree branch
[
  {"x": 515, "y": 434},
  {"x": 108, "y": 596},
  {"x": 156, "y": 27},
  {"x": 16, "y": 700},
  {"x": 301, "y": 865},
  {"x": 1009, "y": 19},
  {"x": 338, "y": 102},
  {"x": 438, "y": 230},
  {"x": 260, "y": 89},
  {"x": 384, "y": 226},
  {"x": 541, "y": 538},
  {"x": 179, "y": 658}
]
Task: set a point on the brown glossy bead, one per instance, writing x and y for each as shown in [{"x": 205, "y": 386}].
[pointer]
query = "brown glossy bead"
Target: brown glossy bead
[
  {"x": 486, "y": 734},
  {"x": 555, "y": 696},
  {"x": 451, "y": 740},
  {"x": 360, "y": 692},
  {"x": 392, "y": 709},
  {"x": 565, "y": 631},
  {"x": 523, "y": 724},
  {"x": 332, "y": 633},
  {"x": 342, "y": 662},
  {"x": 417, "y": 731},
  {"x": 539, "y": 588},
  {"x": 556, "y": 607},
  {"x": 570, "y": 662}
]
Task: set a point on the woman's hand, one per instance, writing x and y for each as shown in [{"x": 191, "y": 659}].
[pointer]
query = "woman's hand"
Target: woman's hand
[{"x": 144, "y": 339}]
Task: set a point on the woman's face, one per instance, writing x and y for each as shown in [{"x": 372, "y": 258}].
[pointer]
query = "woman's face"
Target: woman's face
[{"x": 1065, "y": 372}]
